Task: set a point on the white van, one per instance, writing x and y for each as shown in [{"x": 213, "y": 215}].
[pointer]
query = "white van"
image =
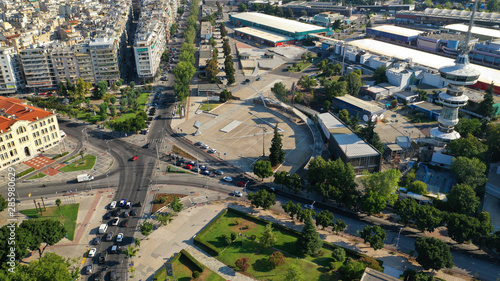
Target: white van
[{"x": 103, "y": 228}]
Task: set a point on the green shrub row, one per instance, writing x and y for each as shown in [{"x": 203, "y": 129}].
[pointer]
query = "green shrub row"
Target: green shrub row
[
  {"x": 207, "y": 247},
  {"x": 200, "y": 266},
  {"x": 60, "y": 155},
  {"x": 350, "y": 253},
  {"x": 25, "y": 172}
]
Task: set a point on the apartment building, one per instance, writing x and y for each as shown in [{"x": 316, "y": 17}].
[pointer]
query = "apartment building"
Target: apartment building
[
  {"x": 206, "y": 30},
  {"x": 24, "y": 131},
  {"x": 11, "y": 76},
  {"x": 104, "y": 56},
  {"x": 64, "y": 63},
  {"x": 84, "y": 62},
  {"x": 37, "y": 69}
]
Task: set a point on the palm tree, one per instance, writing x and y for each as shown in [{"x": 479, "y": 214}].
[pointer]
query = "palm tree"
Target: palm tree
[
  {"x": 81, "y": 153},
  {"x": 58, "y": 203},
  {"x": 130, "y": 252},
  {"x": 137, "y": 242}
]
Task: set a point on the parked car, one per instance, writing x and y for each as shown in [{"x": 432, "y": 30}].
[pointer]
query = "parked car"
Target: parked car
[
  {"x": 92, "y": 252},
  {"x": 133, "y": 212},
  {"x": 119, "y": 237},
  {"x": 122, "y": 202},
  {"x": 114, "y": 249},
  {"x": 128, "y": 205},
  {"x": 241, "y": 184},
  {"x": 228, "y": 179},
  {"x": 307, "y": 206},
  {"x": 112, "y": 205},
  {"x": 135, "y": 158},
  {"x": 212, "y": 150},
  {"x": 189, "y": 167},
  {"x": 219, "y": 172},
  {"x": 125, "y": 214},
  {"x": 203, "y": 167},
  {"x": 89, "y": 269},
  {"x": 115, "y": 221},
  {"x": 97, "y": 240},
  {"x": 205, "y": 146},
  {"x": 106, "y": 216},
  {"x": 205, "y": 172},
  {"x": 109, "y": 237},
  {"x": 195, "y": 169},
  {"x": 147, "y": 145},
  {"x": 237, "y": 193}
]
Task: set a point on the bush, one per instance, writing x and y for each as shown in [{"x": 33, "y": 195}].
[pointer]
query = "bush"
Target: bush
[
  {"x": 238, "y": 221},
  {"x": 233, "y": 236},
  {"x": 146, "y": 228},
  {"x": 242, "y": 264},
  {"x": 320, "y": 253},
  {"x": 25, "y": 172},
  {"x": 228, "y": 241},
  {"x": 224, "y": 236},
  {"x": 338, "y": 255},
  {"x": 196, "y": 274},
  {"x": 253, "y": 237},
  {"x": 371, "y": 262},
  {"x": 160, "y": 200},
  {"x": 276, "y": 259},
  {"x": 60, "y": 155}
]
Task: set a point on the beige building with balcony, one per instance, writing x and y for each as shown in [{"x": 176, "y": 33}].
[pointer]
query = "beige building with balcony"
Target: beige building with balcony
[
  {"x": 104, "y": 55},
  {"x": 11, "y": 77},
  {"x": 24, "y": 131}
]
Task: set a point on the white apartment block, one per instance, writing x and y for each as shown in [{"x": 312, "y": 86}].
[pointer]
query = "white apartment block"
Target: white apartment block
[
  {"x": 37, "y": 69},
  {"x": 104, "y": 56},
  {"x": 25, "y": 131},
  {"x": 11, "y": 76},
  {"x": 64, "y": 63},
  {"x": 151, "y": 35}
]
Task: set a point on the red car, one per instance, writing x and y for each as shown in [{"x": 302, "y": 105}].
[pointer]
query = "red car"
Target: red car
[
  {"x": 135, "y": 158},
  {"x": 240, "y": 184},
  {"x": 189, "y": 167}
]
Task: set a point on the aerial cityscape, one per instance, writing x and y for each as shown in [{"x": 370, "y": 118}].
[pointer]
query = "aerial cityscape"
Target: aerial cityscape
[{"x": 249, "y": 140}]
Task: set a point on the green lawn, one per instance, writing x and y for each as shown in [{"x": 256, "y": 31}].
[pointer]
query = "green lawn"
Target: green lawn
[
  {"x": 183, "y": 271},
  {"x": 142, "y": 99},
  {"x": 67, "y": 216},
  {"x": 161, "y": 274},
  {"x": 258, "y": 255},
  {"x": 174, "y": 169},
  {"x": 37, "y": 176},
  {"x": 209, "y": 106},
  {"x": 80, "y": 164},
  {"x": 88, "y": 117},
  {"x": 300, "y": 66}
]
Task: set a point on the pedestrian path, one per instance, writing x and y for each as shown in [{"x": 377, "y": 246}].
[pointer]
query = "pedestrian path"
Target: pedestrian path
[{"x": 223, "y": 270}]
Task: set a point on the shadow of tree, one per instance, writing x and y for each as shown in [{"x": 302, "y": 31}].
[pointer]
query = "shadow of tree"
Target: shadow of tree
[{"x": 262, "y": 265}]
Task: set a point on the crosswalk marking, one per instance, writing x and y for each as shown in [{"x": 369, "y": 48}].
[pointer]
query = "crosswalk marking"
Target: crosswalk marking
[{"x": 156, "y": 140}]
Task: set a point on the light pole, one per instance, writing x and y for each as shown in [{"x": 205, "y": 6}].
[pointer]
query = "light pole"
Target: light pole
[
  {"x": 399, "y": 234},
  {"x": 264, "y": 129}
]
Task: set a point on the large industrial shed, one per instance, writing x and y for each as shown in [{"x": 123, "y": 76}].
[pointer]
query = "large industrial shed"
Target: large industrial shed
[
  {"x": 297, "y": 30},
  {"x": 395, "y": 33},
  {"x": 357, "y": 107},
  {"x": 263, "y": 36},
  {"x": 346, "y": 145}
]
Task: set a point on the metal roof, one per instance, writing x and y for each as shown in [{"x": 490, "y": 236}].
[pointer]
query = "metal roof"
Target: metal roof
[
  {"x": 372, "y": 108},
  {"x": 353, "y": 146},
  {"x": 277, "y": 22},
  {"x": 486, "y": 32},
  {"x": 398, "y": 30},
  {"x": 264, "y": 34}
]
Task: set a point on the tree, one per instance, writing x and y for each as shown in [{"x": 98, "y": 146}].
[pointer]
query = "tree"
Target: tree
[
  {"x": 418, "y": 187},
  {"x": 48, "y": 267},
  {"x": 61, "y": 89},
  {"x": 276, "y": 259},
  {"x": 130, "y": 252},
  {"x": 243, "y": 263},
  {"x": 338, "y": 254},
  {"x": 225, "y": 95},
  {"x": 146, "y": 228},
  {"x": 163, "y": 218},
  {"x": 277, "y": 155},
  {"x": 3, "y": 203},
  {"x": 183, "y": 72},
  {"x": 380, "y": 74},
  {"x": 352, "y": 270},
  {"x": 242, "y": 7},
  {"x": 268, "y": 238},
  {"x": 324, "y": 218},
  {"x": 100, "y": 89},
  {"x": 281, "y": 178},
  {"x": 176, "y": 205},
  {"x": 469, "y": 126},
  {"x": 375, "y": 236},
  {"x": 372, "y": 137},
  {"x": 433, "y": 253},
  {"x": 373, "y": 202},
  {"x": 344, "y": 116},
  {"x": 468, "y": 146},
  {"x": 428, "y": 218},
  {"x": 353, "y": 83},
  {"x": 339, "y": 226},
  {"x": 263, "y": 169},
  {"x": 279, "y": 90},
  {"x": 493, "y": 141},
  {"x": 103, "y": 108},
  {"x": 406, "y": 209},
  {"x": 486, "y": 108},
  {"x": 137, "y": 242},
  {"x": 383, "y": 183},
  {"x": 293, "y": 273},
  {"x": 369, "y": 24},
  {"x": 226, "y": 48},
  {"x": 470, "y": 171},
  {"x": 47, "y": 232},
  {"x": 295, "y": 183},
  {"x": 212, "y": 69},
  {"x": 112, "y": 111},
  {"x": 289, "y": 13},
  {"x": 493, "y": 6},
  {"x": 309, "y": 241},
  {"x": 22, "y": 240},
  {"x": 307, "y": 82},
  {"x": 291, "y": 209},
  {"x": 82, "y": 88},
  {"x": 262, "y": 198},
  {"x": 462, "y": 199},
  {"x": 58, "y": 203}
]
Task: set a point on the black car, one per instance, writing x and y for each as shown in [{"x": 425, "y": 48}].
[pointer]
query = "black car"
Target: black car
[
  {"x": 133, "y": 212},
  {"x": 147, "y": 145},
  {"x": 253, "y": 188},
  {"x": 124, "y": 223},
  {"x": 97, "y": 240},
  {"x": 107, "y": 216},
  {"x": 247, "y": 80},
  {"x": 125, "y": 214},
  {"x": 115, "y": 213}
]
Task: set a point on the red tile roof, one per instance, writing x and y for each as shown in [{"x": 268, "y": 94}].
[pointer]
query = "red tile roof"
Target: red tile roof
[{"x": 14, "y": 107}]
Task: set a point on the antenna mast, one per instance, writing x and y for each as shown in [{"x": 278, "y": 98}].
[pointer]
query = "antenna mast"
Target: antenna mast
[{"x": 466, "y": 49}]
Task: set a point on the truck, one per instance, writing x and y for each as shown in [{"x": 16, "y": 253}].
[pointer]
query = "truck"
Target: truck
[
  {"x": 103, "y": 228},
  {"x": 84, "y": 177}
]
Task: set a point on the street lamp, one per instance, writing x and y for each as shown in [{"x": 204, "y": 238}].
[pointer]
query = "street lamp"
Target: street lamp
[
  {"x": 264, "y": 129},
  {"x": 399, "y": 234}
]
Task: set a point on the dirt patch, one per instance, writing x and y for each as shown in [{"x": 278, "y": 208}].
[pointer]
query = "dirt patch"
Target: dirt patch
[
  {"x": 169, "y": 198},
  {"x": 182, "y": 153}
]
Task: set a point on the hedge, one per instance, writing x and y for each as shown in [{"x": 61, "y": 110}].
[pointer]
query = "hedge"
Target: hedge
[
  {"x": 209, "y": 248},
  {"x": 350, "y": 253},
  {"x": 25, "y": 172},
  {"x": 200, "y": 266},
  {"x": 60, "y": 155}
]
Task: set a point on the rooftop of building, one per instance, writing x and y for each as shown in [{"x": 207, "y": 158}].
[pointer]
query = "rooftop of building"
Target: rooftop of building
[
  {"x": 264, "y": 34},
  {"x": 428, "y": 106},
  {"x": 398, "y": 30},
  {"x": 353, "y": 146},
  {"x": 375, "y": 275},
  {"x": 488, "y": 75},
  {"x": 443, "y": 36},
  {"x": 12, "y": 110},
  {"x": 360, "y": 103},
  {"x": 277, "y": 22},
  {"x": 458, "y": 14},
  {"x": 481, "y": 31},
  {"x": 334, "y": 125}
]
